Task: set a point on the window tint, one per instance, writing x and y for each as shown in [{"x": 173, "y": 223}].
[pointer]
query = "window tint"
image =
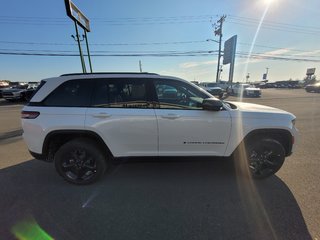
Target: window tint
[
  {"x": 120, "y": 93},
  {"x": 178, "y": 95},
  {"x": 73, "y": 93}
]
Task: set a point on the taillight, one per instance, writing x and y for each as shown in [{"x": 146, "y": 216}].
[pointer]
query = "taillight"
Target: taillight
[{"x": 29, "y": 114}]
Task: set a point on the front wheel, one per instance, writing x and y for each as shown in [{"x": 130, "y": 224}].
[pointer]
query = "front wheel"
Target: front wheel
[
  {"x": 80, "y": 161},
  {"x": 265, "y": 157}
]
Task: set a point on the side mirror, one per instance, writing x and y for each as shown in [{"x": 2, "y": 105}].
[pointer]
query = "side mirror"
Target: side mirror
[{"x": 212, "y": 104}]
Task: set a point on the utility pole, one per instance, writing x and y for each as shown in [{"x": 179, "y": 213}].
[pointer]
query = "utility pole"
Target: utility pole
[
  {"x": 218, "y": 32},
  {"x": 140, "y": 65}
]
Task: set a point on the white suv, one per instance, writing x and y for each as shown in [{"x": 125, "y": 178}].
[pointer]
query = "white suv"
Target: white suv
[
  {"x": 246, "y": 90},
  {"x": 81, "y": 121}
]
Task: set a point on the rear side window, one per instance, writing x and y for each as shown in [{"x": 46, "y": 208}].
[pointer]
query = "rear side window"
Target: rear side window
[
  {"x": 73, "y": 93},
  {"x": 120, "y": 93},
  {"x": 42, "y": 83}
]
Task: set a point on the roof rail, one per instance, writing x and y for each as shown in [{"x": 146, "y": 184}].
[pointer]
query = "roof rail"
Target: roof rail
[{"x": 97, "y": 73}]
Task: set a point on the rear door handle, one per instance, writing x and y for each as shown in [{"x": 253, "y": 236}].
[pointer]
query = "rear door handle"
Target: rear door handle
[
  {"x": 171, "y": 116},
  {"x": 101, "y": 115}
]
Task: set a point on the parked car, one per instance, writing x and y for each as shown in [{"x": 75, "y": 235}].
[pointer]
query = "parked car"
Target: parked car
[
  {"x": 313, "y": 87},
  {"x": 246, "y": 90},
  {"x": 18, "y": 93},
  {"x": 3, "y": 85},
  {"x": 212, "y": 88},
  {"x": 82, "y": 121}
]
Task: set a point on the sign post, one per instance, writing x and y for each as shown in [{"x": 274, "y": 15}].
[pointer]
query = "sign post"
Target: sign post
[
  {"x": 79, "y": 20},
  {"x": 229, "y": 55}
]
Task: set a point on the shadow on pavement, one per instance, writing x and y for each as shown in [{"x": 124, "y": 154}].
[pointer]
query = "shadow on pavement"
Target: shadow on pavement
[{"x": 197, "y": 199}]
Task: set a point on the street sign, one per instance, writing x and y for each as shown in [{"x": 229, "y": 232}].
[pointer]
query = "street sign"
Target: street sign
[{"x": 79, "y": 19}]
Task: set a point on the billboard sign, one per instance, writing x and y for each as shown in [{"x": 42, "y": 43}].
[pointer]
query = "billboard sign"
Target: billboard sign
[
  {"x": 230, "y": 50},
  {"x": 76, "y": 15},
  {"x": 311, "y": 71}
]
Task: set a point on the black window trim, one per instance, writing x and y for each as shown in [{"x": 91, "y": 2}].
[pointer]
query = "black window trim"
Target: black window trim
[
  {"x": 149, "y": 94},
  {"x": 155, "y": 96}
]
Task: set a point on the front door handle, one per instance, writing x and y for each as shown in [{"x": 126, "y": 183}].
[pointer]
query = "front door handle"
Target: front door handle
[
  {"x": 171, "y": 116},
  {"x": 101, "y": 115}
]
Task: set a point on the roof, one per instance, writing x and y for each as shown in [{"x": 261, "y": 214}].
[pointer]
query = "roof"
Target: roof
[{"x": 95, "y": 73}]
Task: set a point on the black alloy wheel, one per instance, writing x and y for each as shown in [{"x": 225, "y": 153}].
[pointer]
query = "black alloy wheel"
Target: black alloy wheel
[
  {"x": 265, "y": 157},
  {"x": 80, "y": 162}
]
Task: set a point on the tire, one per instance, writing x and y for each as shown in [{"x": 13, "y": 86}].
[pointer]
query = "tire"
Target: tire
[
  {"x": 265, "y": 157},
  {"x": 80, "y": 161}
]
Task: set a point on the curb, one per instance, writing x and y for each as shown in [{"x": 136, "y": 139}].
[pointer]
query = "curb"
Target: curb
[{"x": 11, "y": 134}]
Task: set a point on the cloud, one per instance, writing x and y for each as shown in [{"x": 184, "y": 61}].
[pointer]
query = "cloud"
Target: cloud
[
  {"x": 187, "y": 65},
  {"x": 307, "y": 53},
  {"x": 278, "y": 52}
]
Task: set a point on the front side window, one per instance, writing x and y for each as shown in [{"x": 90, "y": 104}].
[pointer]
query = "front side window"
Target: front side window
[
  {"x": 120, "y": 93},
  {"x": 73, "y": 93},
  {"x": 178, "y": 95}
]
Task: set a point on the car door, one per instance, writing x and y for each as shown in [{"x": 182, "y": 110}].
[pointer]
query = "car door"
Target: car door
[
  {"x": 123, "y": 116},
  {"x": 185, "y": 129}
]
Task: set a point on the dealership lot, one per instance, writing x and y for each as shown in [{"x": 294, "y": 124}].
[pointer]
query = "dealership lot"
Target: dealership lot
[{"x": 193, "y": 199}]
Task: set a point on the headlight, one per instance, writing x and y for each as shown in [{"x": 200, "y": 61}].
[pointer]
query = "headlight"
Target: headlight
[{"x": 293, "y": 122}]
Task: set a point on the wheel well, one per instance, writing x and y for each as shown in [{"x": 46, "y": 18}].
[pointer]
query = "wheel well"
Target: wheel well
[
  {"x": 56, "y": 139},
  {"x": 282, "y": 136}
]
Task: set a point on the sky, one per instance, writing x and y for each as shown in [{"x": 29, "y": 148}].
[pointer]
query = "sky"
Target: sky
[{"x": 287, "y": 43}]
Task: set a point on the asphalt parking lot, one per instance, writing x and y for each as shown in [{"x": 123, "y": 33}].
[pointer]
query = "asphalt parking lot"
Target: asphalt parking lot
[{"x": 191, "y": 199}]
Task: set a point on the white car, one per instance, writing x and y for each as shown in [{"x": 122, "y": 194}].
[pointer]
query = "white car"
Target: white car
[
  {"x": 246, "y": 90},
  {"x": 81, "y": 121},
  {"x": 212, "y": 88}
]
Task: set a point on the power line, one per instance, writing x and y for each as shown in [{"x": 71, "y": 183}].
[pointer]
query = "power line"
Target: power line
[
  {"x": 272, "y": 25},
  {"x": 168, "y": 54},
  {"x": 272, "y": 22},
  {"x": 151, "y": 43},
  {"x": 282, "y": 29},
  {"x": 105, "y": 44},
  {"x": 107, "y": 55}
]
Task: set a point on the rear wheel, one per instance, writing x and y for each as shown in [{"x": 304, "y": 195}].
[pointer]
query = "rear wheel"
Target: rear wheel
[
  {"x": 265, "y": 157},
  {"x": 80, "y": 161}
]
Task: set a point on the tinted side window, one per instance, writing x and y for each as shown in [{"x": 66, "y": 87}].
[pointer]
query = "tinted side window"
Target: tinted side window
[
  {"x": 120, "y": 93},
  {"x": 178, "y": 95},
  {"x": 73, "y": 93}
]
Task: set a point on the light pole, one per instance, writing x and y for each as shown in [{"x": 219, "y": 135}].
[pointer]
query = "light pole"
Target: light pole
[
  {"x": 265, "y": 76},
  {"x": 247, "y": 77}
]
